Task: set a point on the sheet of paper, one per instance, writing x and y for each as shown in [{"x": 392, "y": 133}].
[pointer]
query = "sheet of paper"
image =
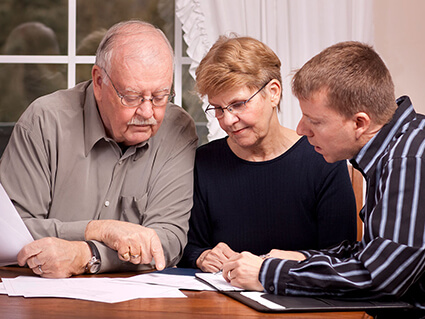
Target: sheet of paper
[
  {"x": 176, "y": 281},
  {"x": 14, "y": 234},
  {"x": 2, "y": 289},
  {"x": 257, "y": 296},
  {"x": 217, "y": 281},
  {"x": 109, "y": 290}
]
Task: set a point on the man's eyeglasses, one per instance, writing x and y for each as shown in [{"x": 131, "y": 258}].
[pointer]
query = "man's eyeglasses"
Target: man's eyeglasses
[
  {"x": 137, "y": 100},
  {"x": 234, "y": 108}
]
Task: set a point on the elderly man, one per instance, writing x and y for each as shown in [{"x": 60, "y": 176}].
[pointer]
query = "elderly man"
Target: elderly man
[
  {"x": 349, "y": 111},
  {"x": 102, "y": 173}
]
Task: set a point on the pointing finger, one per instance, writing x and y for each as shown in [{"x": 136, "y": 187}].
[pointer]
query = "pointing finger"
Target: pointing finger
[{"x": 157, "y": 253}]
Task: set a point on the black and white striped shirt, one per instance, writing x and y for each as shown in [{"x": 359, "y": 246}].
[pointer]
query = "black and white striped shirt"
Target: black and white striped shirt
[{"x": 390, "y": 260}]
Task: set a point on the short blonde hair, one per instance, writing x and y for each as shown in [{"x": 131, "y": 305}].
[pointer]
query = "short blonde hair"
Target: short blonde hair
[
  {"x": 235, "y": 62},
  {"x": 354, "y": 78}
]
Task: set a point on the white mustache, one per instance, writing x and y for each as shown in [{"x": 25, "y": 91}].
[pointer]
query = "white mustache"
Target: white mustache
[{"x": 137, "y": 121}]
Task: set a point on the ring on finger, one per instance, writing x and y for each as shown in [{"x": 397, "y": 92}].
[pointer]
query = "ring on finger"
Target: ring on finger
[
  {"x": 39, "y": 268},
  {"x": 135, "y": 256},
  {"x": 228, "y": 275}
]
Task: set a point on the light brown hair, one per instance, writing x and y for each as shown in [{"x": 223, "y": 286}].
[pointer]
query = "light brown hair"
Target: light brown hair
[
  {"x": 354, "y": 77},
  {"x": 236, "y": 62}
]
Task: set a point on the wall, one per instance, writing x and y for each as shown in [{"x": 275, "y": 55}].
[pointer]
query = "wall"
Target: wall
[{"x": 400, "y": 40}]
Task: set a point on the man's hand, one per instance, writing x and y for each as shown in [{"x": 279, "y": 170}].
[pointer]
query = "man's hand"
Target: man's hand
[
  {"x": 212, "y": 260},
  {"x": 242, "y": 271},
  {"x": 52, "y": 257},
  {"x": 133, "y": 242},
  {"x": 286, "y": 254}
]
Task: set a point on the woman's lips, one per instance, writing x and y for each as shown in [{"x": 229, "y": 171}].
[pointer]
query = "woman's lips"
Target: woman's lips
[{"x": 236, "y": 132}]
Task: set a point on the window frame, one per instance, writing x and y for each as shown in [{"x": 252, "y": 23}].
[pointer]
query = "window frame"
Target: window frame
[{"x": 72, "y": 60}]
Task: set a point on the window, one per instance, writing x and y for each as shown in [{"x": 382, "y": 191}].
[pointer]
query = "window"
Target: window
[{"x": 48, "y": 45}]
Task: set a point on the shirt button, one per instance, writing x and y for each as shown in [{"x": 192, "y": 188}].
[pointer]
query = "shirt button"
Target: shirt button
[
  {"x": 106, "y": 203},
  {"x": 271, "y": 288},
  {"x": 120, "y": 162}
]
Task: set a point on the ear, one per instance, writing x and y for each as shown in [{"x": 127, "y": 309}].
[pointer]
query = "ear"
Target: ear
[
  {"x": 362, "y": 123},
  {"x": 275, "y": 90},
  {"x": 96, "y": 75}
]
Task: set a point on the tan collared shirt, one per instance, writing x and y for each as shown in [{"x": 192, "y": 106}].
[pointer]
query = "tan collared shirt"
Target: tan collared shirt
[{"x": 62, "y": 171}]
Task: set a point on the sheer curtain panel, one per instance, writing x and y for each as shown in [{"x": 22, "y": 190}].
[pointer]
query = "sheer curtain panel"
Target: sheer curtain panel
[{"x": 295, "y": 29}]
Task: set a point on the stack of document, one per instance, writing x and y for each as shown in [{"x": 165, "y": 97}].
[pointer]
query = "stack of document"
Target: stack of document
[{"x": 108, "y": 290}]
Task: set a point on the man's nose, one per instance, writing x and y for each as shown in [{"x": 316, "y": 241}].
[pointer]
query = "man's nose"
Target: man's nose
[
  {"x": 302, "y": 128},
  {"x": 145, "y": 109}
]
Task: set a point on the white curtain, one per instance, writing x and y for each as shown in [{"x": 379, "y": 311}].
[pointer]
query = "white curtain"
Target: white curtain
[{"x": 295, "y": 29}]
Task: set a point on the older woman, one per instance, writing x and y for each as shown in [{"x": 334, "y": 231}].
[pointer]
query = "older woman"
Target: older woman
[{"x": 263, "y": 188}]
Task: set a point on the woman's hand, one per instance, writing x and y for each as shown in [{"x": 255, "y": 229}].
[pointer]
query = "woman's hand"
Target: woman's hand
[{"x": 212, "y": 260}]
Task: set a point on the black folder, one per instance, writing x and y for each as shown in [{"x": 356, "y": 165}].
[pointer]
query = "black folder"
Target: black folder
[
  {"x": 315, "y": 304},
  {"x": 281, "y": 304}
]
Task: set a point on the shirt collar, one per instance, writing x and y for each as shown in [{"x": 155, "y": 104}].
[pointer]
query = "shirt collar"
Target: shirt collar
[
  {"x": 366, "y": 160},
  {"x": 93, "y": 125}
]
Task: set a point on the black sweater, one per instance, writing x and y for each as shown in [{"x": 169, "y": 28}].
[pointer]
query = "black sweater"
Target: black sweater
[{"x": 295, "y": 201}]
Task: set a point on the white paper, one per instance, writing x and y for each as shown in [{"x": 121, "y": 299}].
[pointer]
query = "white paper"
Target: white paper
[
  {"x": 108, "y": 290},
  {"x": 217, "y": 281},
  {"x": 14, "y": 235},
  {"x": 176, "y": 281},
  {"x": 2, "y": 289},
  {"x": 257, "y": 296},
  {"x": 104, "y": 289}
]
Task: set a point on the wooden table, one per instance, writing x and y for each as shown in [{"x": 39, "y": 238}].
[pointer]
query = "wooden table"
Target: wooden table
[{"x": 199, "y": 304}]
